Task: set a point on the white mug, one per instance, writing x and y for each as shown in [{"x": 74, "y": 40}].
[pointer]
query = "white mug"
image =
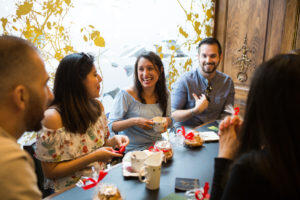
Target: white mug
[
  {"x": 159, "y": 124},
  {"x": 151, "y": 170},
  {"x": 137, "y": 160}
]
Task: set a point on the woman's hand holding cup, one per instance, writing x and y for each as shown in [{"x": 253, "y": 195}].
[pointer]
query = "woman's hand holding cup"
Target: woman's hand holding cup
[
  {"x": 160, "y": 124},
  {"x": 143, "y": 123}
]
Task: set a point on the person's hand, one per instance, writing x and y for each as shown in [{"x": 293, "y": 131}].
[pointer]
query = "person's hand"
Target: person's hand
[
  {"x": 234, "y": 120},
  {"x": 143, "y": 123},
  {"x": 201, "y": 103},
  {"x": 118, "y": 140},
  {"x": 105, "y": 154},
  {"x": 228, "y": 143},
  {"x": 166, "y": 125}
]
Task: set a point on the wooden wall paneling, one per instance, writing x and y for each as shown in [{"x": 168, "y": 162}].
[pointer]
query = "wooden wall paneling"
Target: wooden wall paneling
[
  {"x": 275, "y": 28},
  {"x": 240, "y": 24},
  {"x": 220, "y": 26},
  {"x": 248, "y": 17},
  {"x": 290, "y": 24},
  {"x": 272, "y": 27},
  {"x": 298, "y": 32},
  {"x": 297, "y": 43}
]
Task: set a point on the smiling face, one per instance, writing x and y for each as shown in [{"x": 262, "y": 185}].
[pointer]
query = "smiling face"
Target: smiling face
[
  {"x": 148, "y": 73},
  {"x": 92, "y": 83},
  {"x": 209, "y": 58}
]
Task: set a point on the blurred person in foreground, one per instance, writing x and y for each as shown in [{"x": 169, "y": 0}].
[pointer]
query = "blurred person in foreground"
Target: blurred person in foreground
[
  {"x": 259, "y": 158},
  {"x": 24, "y": 96}
]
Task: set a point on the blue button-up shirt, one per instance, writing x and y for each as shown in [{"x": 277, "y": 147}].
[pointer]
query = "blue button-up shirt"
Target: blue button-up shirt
[{"x": 222, "y": 94}]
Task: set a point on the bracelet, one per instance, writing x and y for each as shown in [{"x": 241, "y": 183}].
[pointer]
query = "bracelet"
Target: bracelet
[{"x": 192, "y": 112}]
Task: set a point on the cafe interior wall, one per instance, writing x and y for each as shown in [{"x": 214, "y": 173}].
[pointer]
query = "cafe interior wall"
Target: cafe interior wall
[{"x": 62, "y": 27}]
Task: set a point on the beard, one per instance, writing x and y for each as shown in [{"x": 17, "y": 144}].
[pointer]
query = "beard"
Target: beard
[
  {"x": 34, "y": 113},
  {"x": 209, "y": 71}
]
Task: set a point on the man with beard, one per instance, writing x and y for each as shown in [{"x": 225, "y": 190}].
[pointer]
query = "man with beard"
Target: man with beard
[
  {"x": 24, "y": 96},
  {"x": 202, "y": 94}
]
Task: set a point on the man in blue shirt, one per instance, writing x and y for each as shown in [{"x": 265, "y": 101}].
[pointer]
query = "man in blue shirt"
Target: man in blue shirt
[{"x": 202, "y": 94}]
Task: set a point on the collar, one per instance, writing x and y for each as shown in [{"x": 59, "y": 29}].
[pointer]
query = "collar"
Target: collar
[{"x": 203, "y": 78}]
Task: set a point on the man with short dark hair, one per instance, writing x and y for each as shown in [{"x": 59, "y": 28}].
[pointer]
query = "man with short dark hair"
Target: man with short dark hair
[
  {"x": 202, "y": 94},
  {"x": 24, "y": 96}
]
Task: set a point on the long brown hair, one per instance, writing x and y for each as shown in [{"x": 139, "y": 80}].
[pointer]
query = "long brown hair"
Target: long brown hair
[
  {"x": 270, "y": 123},
  {"x": 77, "y": 111},
  {"x": 160, "y": 87}
]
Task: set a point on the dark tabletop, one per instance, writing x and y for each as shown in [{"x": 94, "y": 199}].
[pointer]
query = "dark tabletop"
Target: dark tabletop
[{"x": 186, "y": 163}]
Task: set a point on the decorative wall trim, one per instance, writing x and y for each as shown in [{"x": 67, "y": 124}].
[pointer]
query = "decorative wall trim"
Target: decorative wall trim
[{"x": 244, "y": 62}]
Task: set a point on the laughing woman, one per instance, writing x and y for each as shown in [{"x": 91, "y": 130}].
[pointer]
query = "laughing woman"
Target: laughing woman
[
  {"x": 75, "y": 127},
  {"x": 134, "y": 107}
]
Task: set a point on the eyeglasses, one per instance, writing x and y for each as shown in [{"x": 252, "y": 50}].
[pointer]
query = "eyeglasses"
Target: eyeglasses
[{"x": 208, "y": 91}]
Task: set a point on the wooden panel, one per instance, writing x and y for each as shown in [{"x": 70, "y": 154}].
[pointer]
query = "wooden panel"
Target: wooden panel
[
  {"x": 220, "y": 27},
  {"x": 275, "y": 25},
  {"x": 297, "y": 45},
  {"x": 298, "y": 32},
  {"x": 240, "y": 24},
  {"x": 248, "y": 17},
  {"x": 289, "y": 35},
  {"x": 272, "y": 27}
]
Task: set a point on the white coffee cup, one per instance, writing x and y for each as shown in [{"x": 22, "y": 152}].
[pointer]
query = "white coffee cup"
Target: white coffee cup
[
  {"x": 151, "y": 170},
  {"x": 137, "y": 160},
  {"x": 159, "y": 124}
]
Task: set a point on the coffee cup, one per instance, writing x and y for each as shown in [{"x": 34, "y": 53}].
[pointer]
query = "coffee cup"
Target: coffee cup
[
  {"x": 151, "y": 170},
  {"x": 159, "y": 124},
  {"x": 137, "y": 160}
]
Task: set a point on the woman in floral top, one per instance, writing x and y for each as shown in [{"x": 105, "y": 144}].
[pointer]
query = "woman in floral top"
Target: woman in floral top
[{"x": 75, "y": 127}]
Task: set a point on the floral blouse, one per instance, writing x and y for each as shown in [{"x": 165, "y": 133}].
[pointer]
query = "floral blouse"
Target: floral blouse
[{"x": 60, "y": 145}]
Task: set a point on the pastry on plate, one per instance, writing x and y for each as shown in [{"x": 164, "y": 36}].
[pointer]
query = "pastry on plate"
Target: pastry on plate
[
  {"x": 166, "y": 148},
  {"x": 197, "y": 141},
  {"x": 109, "y": 192}
]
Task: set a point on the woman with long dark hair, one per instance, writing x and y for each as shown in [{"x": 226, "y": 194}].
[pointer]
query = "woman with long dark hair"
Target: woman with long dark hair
[
  {"x": 259, "y": 158},
  {"x": 134, "y": 107},
  {"x": 75, "y": 127}
]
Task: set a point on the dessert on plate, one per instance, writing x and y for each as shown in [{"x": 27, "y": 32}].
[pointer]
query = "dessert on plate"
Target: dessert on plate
[
  {"x": 195, "y": 141},
  {"x": 166, "y": 148},
  {"x": 109, "y": 192}
]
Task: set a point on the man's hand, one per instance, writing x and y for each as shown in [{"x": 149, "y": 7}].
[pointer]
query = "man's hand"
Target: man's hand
[{"x": 201, "y": 103}]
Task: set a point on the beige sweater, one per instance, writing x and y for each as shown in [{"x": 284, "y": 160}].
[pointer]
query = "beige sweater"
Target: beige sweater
[{"x": 17, "y": 177}]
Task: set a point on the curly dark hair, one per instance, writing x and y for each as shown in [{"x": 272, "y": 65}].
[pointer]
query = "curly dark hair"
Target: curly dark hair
[
  {"x": 70, "y": 95},
  {"x": 160, "y": 88}
]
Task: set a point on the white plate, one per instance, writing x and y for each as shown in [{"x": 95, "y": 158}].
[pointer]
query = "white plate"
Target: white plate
[{"x": 209, "y": 136}]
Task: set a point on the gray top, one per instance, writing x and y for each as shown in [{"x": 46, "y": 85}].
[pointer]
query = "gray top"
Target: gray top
[
  {"x": 125, "y": 107},
  {"x": 222, "y": 94}
]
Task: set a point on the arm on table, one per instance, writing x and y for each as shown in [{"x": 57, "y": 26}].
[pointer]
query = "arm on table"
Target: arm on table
[{"x": 61, "y": 169}]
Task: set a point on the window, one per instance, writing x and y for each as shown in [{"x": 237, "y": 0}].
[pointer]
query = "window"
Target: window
[{"x": 114, "y": 31}]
